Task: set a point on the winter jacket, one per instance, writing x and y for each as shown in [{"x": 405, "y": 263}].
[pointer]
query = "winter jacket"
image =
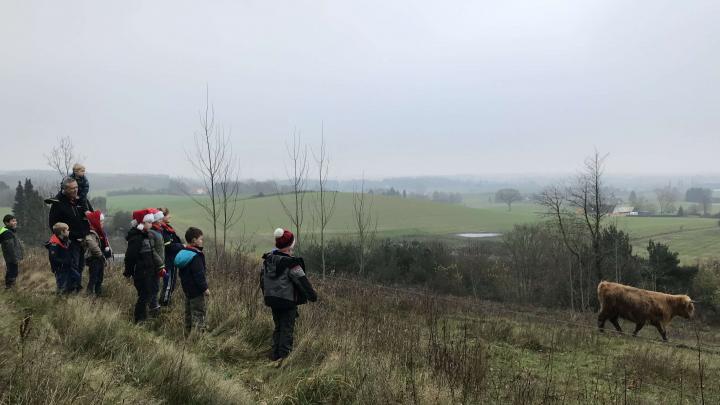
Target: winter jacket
[
  {"x": 159, "y": 243},
  {"x": 70, "y": 212},
  {"x": 11, "y": 247},
  {"x": 141, "y": 258},
  {"x": 191, "y": 262},
  {"x": 83, "y": 186},
  {"x": 59, "y": 254},
  {"x": 93, "y": 247},
  {"x": 284, "y": 282}
]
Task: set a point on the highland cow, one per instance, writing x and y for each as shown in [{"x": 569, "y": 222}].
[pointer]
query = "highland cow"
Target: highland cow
[{"x": 640, "y": 306}]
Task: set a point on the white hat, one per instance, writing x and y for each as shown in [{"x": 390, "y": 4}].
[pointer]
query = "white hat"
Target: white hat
[{"x": 158, "y": 216}]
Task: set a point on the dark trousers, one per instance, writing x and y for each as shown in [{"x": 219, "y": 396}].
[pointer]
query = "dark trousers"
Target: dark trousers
[
  {"x": 62, "y": 279},
  {"x": 76, "y": 265},
  {"x": 168, "y": 285},
  {"x": 96, "y": 270},
  {"x": 284, "y": 319},
  {"x": 195, "y": 314},
  {"x": 11, "y": 274},
  {"x": 144, "y": 286},
  {"x": 155, "y": 291}
]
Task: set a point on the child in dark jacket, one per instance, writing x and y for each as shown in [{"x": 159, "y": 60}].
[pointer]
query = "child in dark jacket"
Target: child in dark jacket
[
  {"x": 60, "y": 258},
  {"x": 83, "y": 184},
  {"x": 142, "y": 262},
  {"x": 11, "y": 248},
  {"x": 190, "y": 262},
  {"x": 285, "y": 286}
]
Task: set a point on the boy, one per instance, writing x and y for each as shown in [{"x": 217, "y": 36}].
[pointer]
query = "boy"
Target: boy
[
  {"x": 142, "y": 262},
  {"x": 285, "y": 286},
  {"x": 190, "y": 261},
  {"x": 83, "y": 184},
  {"x": 61, "y": 258},
  {"x": 94, "y": 245},
  {"x": 11, "y": 248}
]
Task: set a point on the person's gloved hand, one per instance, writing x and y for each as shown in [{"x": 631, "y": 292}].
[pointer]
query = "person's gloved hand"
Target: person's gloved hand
[{"x": 161, "y": 273}]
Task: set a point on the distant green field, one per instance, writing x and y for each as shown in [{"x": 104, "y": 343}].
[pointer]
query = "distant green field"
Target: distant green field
[{"x": 693, "y": 237}]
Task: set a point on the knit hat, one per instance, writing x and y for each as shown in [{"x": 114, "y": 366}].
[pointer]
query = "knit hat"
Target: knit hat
[
  {"x": 283, "y": 238},
  {"x": 158, "y": 216}
]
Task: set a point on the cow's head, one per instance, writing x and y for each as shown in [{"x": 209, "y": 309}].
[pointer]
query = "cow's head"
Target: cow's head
[{"x": 687, "y": 307}]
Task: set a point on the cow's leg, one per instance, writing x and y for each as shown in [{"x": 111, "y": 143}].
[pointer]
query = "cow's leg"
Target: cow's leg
[
  {"x": 638, "y": 326},
  {"x": 601, "y": 320},
  {"x": 661, "y": 329},
  {"x": 616, "y": 324}
]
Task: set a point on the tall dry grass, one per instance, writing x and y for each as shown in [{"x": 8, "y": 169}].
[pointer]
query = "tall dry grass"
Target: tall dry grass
[{"x": 357, "y": 344}]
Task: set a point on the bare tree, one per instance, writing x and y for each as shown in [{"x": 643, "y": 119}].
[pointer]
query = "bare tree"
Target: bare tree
[
  {"x": 62, "y": 157},
  {"x": 213, "y": 161},
  {"x": 297, "y": 176},
  {"x": 667, "y": 197},
  {"x": 578, "y": 212},
  {"x": 594, "y": 202},
  {"x": 508, "y": 196},
  {"x": 365, "y": 225},
  {"x": 325, "y": 204}
]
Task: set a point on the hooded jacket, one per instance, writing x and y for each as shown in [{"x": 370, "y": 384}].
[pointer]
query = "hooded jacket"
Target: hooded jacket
[
  {"x": 173, "y": 244},
  {"x": 93, "y": 247},
  {"x": 191, "y": 262},
  {"x": 11, "y": 247},
  {"x": 141, "y": 259},
  {"x": 59, "y": 254},
  {"x": 284, "y": 282}
]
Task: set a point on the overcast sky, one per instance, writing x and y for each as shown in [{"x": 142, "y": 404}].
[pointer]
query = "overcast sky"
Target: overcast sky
[{"x": 403, "y": 88}]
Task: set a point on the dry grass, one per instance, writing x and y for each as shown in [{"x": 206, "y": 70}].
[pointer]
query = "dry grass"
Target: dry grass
[{"x": 356, "y": 345}]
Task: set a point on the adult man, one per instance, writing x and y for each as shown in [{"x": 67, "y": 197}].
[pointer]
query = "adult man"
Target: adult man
[{"x": 69, "y": 209}]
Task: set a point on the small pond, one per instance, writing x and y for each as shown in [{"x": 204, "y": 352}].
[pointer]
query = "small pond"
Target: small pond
[{"x": 479, "y": 235}]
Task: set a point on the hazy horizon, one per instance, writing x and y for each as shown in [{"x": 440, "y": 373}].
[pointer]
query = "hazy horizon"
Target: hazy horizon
[{"x": 401, "y": 89}]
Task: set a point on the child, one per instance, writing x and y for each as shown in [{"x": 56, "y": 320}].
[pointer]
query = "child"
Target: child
[
  {"x": 190, "y": 262},
  {"x": 61, "y": 258},
  {"x": 159, "y": 245},
  {"x": 83, "y": 184},
  {"x": 142, "y": 262},
  {"x": 173, "y": 245},
  {"x": 11, "y": 248},
  {"x": 285, "y": 286},
  {"x": 95, "y": 245}
]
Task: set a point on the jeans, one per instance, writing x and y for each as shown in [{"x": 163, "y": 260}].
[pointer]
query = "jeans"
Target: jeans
[
  {"x": 66, "y": 279},
  {"x": 96, "y": 268},
  {"x": 76, "y": 266},
  {"x": 284, "y": 320},
  {"x": 11, "y": 274},
  {"x": 195, "y": 314}
]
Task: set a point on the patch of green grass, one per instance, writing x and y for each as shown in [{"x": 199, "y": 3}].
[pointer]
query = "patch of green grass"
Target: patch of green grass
[{"x": 693, "y": 237}]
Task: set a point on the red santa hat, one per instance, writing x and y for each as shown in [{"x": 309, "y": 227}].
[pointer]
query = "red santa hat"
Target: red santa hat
[
  {"x": 95, "y": 218},
  {"x": 283, "y": 238},
  {"x": 140, "y": 217}
]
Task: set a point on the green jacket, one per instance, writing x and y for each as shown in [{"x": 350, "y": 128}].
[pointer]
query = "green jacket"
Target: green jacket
[{"x": 11, "y": 247}]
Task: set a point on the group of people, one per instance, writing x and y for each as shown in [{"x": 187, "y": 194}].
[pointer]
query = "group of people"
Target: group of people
[{"x": 154, "y": 252}]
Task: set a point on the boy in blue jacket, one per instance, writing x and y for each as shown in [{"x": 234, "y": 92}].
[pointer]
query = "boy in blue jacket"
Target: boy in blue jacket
[{"x": 191, "y": 264}]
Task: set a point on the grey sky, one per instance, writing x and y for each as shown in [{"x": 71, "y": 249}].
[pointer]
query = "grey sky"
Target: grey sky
[{"x": 403, "y": 88}]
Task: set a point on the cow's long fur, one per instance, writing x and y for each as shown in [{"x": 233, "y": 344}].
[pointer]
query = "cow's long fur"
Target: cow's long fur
[{"x": 640, "y": 306}]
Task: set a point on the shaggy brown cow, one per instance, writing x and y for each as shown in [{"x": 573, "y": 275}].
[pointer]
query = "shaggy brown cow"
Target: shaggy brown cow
[{"x": 640, "y": 306}]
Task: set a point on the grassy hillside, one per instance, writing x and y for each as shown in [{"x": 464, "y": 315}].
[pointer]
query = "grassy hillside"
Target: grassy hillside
[
  {"x": 359, "y": 344},
  {"x": 693, "y": 237}
]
